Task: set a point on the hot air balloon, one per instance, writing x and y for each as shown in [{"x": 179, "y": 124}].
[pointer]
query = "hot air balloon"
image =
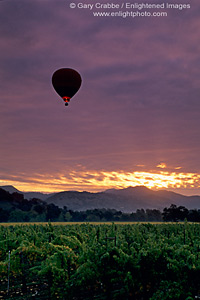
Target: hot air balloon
[{"x": 66, "y": 83}]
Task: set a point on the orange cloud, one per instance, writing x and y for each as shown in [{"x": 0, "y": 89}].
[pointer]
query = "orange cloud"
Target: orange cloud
[
  {"x": 98, "y": 181},
  {"x": 162, "y": 165}
]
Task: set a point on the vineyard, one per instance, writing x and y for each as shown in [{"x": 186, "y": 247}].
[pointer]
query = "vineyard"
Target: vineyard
[{"x": 100, "y": 261}]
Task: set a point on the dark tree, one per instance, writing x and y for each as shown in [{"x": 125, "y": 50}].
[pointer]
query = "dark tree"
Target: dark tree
[
  {"x": 52, "y": 212},
  {"x": 174, "y": 213}
]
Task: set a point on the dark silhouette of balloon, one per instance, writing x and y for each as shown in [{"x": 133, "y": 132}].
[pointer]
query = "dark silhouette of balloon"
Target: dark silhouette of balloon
[{"x": 66, "y": 83}]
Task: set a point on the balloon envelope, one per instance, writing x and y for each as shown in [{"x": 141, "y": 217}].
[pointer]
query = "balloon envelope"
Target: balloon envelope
[{"x": 66, "y": 83}]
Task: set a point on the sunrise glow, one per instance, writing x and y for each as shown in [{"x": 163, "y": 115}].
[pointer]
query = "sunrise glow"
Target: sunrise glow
[{"x": 94, "y": 181}]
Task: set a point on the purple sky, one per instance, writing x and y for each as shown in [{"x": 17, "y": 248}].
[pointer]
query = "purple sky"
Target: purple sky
[{"x": 136, "y": 116}]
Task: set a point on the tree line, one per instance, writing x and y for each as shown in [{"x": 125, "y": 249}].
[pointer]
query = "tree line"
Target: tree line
[{"x": 14, "y": 208}]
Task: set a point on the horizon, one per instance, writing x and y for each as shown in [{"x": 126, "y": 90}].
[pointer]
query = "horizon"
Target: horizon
[
  {"x": 100, "y": 191},
  {"x": 135, "y": 119}
]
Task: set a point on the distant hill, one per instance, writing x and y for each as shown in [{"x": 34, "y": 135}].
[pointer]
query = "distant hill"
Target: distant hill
[
  {"x": 38, "y": 195},
  {"x": 126, "y": 200},
  {"x": 11, "y": 189},
  {"x": 27, "y": 195},
  {"x": 155, "y": 199},
  {"x": 81, "y": 201}
]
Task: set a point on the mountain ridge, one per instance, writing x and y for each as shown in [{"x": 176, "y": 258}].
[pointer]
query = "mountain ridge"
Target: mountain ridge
[
  {"x": 127, "y": 200},
  {"x": 28, "y": 195}
]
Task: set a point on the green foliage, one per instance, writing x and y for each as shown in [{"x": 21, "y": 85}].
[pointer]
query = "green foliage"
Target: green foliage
[{"x": 75, "y": 262}]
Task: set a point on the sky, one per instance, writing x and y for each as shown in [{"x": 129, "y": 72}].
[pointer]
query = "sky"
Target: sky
[{"x": 136, "y": 118}]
